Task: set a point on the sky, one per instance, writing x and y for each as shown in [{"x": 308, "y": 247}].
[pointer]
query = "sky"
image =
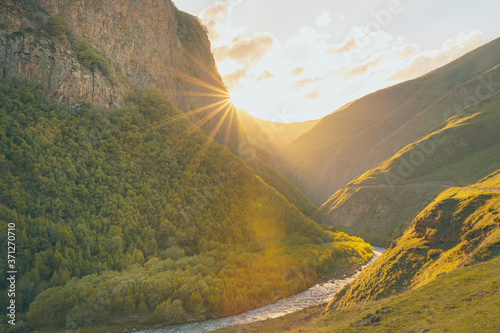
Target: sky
[{"x": 296, "y": 60}]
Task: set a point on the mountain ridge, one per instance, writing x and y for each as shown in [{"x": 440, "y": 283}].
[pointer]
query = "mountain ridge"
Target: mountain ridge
[
  {"x": 344, "y": 144},
  {"x": 465, "y": 149}
]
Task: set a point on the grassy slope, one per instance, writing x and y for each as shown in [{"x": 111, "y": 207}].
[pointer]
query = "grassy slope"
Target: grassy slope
[
  {"x": 273, "y": 178},
  {"x": 380, "y": 203},
  {"x": 460, "y": 227},
  {"x": 357, "y": 137},
  {"x": 442, "y": 276},
  {"x": 466, "y": 300}
]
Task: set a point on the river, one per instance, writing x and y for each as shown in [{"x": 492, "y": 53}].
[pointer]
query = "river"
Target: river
[{"x": 317, "y": 294}]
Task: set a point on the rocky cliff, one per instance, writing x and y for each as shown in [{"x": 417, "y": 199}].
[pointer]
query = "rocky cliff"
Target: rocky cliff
[
  {"x": 97, "y": 51},
  {"x": 147, "y": 44},
  {"x": 154, "y": 44},
  {"x": 27, "y": 51}
]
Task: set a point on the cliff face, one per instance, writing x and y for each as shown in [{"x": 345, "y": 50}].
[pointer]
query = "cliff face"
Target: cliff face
[
  {"x": 154, "y": 44},
  {"x": 150, "y": 44},
  {"x": 26, "y": 52}
]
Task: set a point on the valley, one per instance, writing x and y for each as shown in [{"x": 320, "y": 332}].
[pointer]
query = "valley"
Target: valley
[{"x": 143, "y": 199}]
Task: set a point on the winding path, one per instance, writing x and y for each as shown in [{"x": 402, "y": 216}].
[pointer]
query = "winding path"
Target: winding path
[{"x": 424, "y": 184}]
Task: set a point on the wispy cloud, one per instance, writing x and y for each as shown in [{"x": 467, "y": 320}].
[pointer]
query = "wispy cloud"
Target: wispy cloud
[
  {"x": 232, "y": 79},
  {"x": 361, "y": 69},
  {"x": 345, "y": 47},
  {"x": 425, "y": 61},
  {"x": 304, "y": 82},
  {"x": 265, "y": 75},
  {"x": 313, "y": 94},
  {"x": 245, "y": 51},
  {"x": 297, "y": 71},
  {"x": 318, "y": 66}
]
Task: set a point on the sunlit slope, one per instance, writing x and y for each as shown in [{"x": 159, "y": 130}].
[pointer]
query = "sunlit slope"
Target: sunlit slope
[
  {"x": 381, "y": 203},
  {"x": 263, "y": 141},
  {"x": 465, "y": 300},
  {"x": 136, "y": 215},
  {"x": 273, "y": 135},
  {"x": 461, "y": 227},
  {"x": 364, "y": 133}
]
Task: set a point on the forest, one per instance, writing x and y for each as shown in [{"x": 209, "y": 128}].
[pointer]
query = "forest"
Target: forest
[{"x": 135, "y": 215}]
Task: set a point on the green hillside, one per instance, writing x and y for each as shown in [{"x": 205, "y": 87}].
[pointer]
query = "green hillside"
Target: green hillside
[
  {"x": 380, "y": 204},
  {"x": 461, "y": 227},
  {"x": 135, "y": 216},
  {"x": 441, "y": 276},
  {"x": 365, "y": 132},
  {"x": 466, "y": 300}
]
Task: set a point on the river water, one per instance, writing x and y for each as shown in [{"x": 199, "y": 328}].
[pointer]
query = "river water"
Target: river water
[{"x": 317, "y": 294}]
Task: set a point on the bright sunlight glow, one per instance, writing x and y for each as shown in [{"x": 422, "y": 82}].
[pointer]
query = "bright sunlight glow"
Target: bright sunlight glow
[{"x": 241, "y": 99}]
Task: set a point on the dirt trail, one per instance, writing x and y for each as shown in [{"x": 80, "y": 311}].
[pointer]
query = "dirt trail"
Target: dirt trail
[{"x": 423, "y": 184}]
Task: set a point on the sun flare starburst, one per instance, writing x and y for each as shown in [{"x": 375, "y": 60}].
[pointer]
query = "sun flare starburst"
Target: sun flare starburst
[{"x": 221, "y": 111}]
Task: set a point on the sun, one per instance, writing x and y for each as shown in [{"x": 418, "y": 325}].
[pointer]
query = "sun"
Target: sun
[{"x": 241, "y": 99}]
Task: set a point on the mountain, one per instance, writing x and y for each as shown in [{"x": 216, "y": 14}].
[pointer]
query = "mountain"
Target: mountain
[
  {"x": 460, "y": 228},
  {"x": 365, "y": 132},
  {"x": 95, "y": 52},
  {"x": 265, "y": 140},
  {"x": 381, "y": 203},
  {"x": 136, "y": 216},
  {"x": 270, "y": 135},
  {"x": 129, "y": 208},
  {"x": 441, "y": 276}
]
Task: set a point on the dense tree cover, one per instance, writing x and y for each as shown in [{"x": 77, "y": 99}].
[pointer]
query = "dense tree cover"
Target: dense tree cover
[{"x": 136, "y": 215}]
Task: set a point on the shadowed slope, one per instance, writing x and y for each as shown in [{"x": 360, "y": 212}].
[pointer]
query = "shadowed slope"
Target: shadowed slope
[{"x": 369, "y": 130}]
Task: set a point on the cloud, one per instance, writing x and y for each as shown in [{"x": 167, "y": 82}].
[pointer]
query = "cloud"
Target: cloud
[
  {"x": 215, "y": 16},
  {"x": 346, "y": 47},
  {"x": 312, "y": 95},
  {"x": 291, "y": 72},
  {"x": 265, "y": 75},
  {"x": 232, "y": 79},
  {"x": 407, "y": 51},
  {"x": 246, "y": 51},
  {"x": 361, "y": 69},
  {"x": 219, "y": 12},
  {"x": 324, "y": 19},
  {"x": 425, "y": 61},
  {"x": 304, "y": 82},
  {"x": 297, "y": 70}
]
